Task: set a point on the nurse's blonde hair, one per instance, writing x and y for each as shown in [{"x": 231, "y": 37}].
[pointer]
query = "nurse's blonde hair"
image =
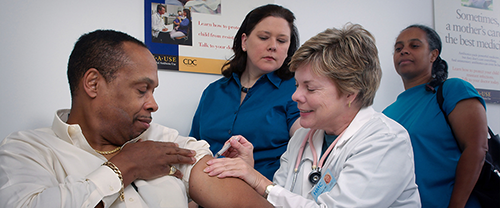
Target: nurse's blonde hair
[{"x": 348, "y": 56}]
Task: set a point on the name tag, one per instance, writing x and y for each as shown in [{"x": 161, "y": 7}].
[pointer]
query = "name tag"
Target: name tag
[{"x": 325, "y": 184}]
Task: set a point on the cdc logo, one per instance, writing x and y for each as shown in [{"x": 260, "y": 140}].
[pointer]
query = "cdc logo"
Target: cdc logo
[{"x": 189, "y": 62}]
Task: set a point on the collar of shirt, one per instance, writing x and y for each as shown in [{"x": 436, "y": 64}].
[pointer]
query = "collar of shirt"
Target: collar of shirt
[
  {"x": 71, "y": 133},
  {"x": 362, "y": 117},
  {"x": 272, "y": 77}
]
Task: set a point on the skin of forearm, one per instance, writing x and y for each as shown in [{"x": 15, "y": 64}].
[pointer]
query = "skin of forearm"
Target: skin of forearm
[
  {"x": 261, "y": 185},
  {"x": 468, "y": 169}
]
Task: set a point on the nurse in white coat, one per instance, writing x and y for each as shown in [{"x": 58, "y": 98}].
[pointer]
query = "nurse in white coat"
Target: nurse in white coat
[{"x": 347, "y": 154}]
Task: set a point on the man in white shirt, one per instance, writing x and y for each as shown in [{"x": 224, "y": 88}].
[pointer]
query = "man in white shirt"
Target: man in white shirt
[
  {"x": 104, "y": 151},
  {"x": 158, "y": 24}
]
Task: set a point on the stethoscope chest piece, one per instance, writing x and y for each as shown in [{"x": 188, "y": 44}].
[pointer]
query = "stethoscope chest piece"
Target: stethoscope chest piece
[{"x": 315, "y": 176}]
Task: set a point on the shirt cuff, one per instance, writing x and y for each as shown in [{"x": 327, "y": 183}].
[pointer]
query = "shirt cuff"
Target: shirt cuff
[
  {"x": 107, "y": 183},
  {"x": 272, "y": 197}
]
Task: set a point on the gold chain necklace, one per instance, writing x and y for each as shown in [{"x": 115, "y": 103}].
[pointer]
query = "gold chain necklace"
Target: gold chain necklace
[{"x": 108, "y": 152}]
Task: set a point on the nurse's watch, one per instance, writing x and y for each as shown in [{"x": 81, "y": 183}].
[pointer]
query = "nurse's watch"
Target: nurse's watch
[{"x": 268, "y": 189}]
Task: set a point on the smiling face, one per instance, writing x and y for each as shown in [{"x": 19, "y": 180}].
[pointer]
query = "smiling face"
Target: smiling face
[
  {"x": 321, "y": 104},
  {"x": 412, "y": 57},
  {"x": 267, "y": 45},
  {"x": 125, "y": 103}
]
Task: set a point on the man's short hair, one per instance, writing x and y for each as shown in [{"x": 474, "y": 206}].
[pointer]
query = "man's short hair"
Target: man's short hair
[
  {"x": 100, "y": 49},
  {"x": 159, "y": 7}
]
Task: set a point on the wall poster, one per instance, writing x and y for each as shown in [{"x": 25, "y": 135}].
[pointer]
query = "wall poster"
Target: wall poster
[
  {"x": 194, "y": 35},
  {"x": 470, "y": 32}
]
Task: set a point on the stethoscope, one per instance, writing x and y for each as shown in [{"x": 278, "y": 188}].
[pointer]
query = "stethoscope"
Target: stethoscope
[{"x": 315, "y": 175}]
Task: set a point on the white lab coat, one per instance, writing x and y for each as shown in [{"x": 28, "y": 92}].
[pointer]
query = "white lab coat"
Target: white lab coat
[
  {"x": 157, "y": 24},
  {"x": 372, "y": 163}
]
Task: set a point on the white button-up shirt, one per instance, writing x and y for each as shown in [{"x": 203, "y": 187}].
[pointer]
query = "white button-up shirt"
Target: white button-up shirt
[{"x": 56, "y": 167}]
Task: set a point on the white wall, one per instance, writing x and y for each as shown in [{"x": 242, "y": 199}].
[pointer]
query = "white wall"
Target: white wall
[{"x": 36, "y": 39}]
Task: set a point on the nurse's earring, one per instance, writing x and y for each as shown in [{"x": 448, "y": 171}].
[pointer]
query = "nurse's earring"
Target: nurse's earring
[{"x": 351, "y": 99}]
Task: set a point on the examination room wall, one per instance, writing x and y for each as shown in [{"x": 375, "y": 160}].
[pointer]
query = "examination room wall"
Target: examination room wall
[{"x": 37, "y": 37}]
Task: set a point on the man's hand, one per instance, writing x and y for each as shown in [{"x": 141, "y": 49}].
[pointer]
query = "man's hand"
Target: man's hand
[{"x": 148, "y": 160}]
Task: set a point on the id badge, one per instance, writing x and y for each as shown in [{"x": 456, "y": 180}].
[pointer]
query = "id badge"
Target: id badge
[{"x": 325, "y": 184}]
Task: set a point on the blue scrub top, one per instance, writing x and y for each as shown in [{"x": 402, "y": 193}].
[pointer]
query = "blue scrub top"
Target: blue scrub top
[
  {"x": 264, "y": 117},
  {"x": 435, "y": 149}
]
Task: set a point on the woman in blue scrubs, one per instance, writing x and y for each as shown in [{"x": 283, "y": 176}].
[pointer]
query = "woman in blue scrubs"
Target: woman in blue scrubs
[
  {"x": 446, "y": 172},
  {"x": 254, "y": 98}
]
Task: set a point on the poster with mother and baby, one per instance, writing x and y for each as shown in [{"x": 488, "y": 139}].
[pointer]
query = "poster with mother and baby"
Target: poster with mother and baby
[{"x": 194, "y": 35}]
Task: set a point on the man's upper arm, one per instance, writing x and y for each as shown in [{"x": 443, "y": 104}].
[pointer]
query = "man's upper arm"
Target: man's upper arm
[{"x": 227, "y": 192}]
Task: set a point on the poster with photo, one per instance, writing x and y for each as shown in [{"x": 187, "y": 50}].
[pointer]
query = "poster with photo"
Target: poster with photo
[
  {"x": 194, "y": 35},
  {"x": 470, "y": 32}
]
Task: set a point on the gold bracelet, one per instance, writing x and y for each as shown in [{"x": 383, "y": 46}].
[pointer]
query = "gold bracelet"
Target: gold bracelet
[{"x": 119, "y": 173}]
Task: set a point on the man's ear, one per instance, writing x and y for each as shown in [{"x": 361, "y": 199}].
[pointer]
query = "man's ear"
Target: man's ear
[{"x": 90, "y": 82}]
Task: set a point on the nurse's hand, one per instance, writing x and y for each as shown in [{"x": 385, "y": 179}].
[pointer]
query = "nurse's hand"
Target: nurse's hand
[
  {"x": 240, "y": 148},
  {"x": 238, "y": 168}
]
